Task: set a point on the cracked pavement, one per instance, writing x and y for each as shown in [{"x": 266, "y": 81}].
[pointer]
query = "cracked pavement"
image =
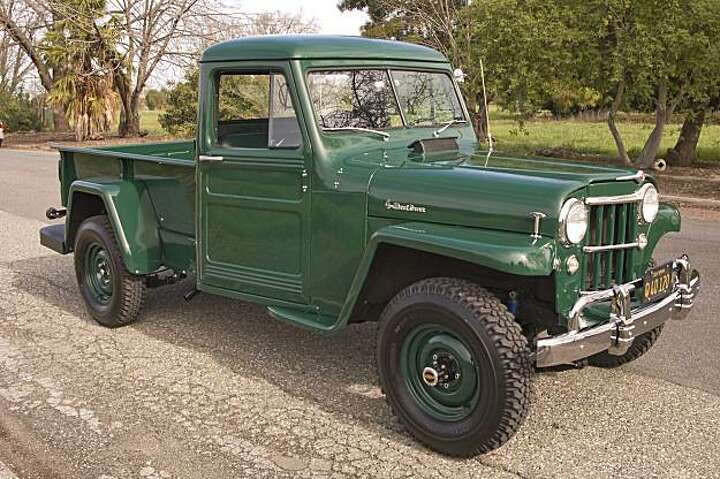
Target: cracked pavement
[{"x": 217, "y": 388}]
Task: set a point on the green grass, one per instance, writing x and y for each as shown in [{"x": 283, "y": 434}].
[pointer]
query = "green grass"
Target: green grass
[
  {"x": 592, "y": 138},
  {"x": 149, "y": 121}
]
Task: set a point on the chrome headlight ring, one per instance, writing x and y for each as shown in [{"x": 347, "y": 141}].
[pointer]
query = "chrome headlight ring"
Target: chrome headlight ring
[
  {"x": 574, "y": 220},
  {"x": 649, "y": 203}
]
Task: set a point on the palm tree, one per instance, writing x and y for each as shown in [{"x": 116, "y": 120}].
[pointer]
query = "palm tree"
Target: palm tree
[{"x": 85, "y": 92}]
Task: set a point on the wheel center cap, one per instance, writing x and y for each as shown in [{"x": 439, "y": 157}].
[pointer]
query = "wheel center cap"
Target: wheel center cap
[{"x": 430, "y": 377}]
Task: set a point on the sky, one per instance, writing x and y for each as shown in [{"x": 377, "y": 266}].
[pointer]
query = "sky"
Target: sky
[{"x": 329, "y": 18}]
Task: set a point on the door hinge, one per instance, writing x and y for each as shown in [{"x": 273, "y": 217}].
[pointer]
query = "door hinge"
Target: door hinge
[{"x": 304, "y": 180}]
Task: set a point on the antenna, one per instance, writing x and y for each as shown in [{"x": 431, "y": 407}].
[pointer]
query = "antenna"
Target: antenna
[{"x": 491, "y": 150}]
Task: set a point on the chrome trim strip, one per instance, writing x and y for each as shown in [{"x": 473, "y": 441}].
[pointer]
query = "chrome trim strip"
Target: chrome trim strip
[
  {"x": 639, "y": 176},
  {"x": 210, "y": 158},
  {"x": 614, "y": 200},
  {"x": 611, "y": 247}
]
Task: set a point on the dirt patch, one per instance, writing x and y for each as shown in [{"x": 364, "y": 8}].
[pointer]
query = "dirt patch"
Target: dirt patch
[{"x": 42, "y": 140}]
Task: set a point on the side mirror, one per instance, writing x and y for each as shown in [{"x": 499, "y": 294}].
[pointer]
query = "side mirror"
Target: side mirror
[{"x": 459, "y": 75}]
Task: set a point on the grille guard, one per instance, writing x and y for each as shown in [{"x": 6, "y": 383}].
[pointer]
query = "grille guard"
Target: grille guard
[{"x": 625, "y": 323}]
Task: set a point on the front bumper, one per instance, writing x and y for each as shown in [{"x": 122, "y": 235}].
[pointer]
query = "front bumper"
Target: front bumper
[{"x": 625, "y": 323}]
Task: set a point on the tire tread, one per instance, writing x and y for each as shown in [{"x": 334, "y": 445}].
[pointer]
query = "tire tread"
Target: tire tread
[{"x": 511, "y": 346}]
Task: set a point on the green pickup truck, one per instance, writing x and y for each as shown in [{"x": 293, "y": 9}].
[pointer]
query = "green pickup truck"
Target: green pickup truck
[{"x": 337, "y": 180}]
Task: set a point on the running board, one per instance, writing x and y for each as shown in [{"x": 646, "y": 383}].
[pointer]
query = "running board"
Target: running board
[{"x": 312, "y": 320}]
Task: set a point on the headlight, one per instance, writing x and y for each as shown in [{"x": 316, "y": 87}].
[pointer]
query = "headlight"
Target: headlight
[
  {"x": 650, "y": 203},
  {"x": 573, "y": 221}
]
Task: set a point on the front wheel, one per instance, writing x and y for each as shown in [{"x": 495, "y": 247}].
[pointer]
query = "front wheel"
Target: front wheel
[
  {"x": 454, "y": 365},
  {"x": 639, "y": 346},
  {"x": 113, "y": 296}
]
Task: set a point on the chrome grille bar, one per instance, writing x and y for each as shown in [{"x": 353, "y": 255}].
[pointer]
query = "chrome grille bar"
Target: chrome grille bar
[
  {"x": 610, "y": 247},
  {"x": 614, "y": 200}
]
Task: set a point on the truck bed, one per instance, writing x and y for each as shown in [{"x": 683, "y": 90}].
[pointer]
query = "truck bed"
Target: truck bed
[{"x": 165, "y": 172}]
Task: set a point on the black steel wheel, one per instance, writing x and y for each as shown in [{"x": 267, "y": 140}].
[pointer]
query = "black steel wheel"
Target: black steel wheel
[{"x": 454, "y": 365}]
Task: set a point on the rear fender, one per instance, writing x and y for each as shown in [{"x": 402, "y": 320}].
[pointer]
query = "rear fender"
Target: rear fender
[{"x": 131, "y": 214}]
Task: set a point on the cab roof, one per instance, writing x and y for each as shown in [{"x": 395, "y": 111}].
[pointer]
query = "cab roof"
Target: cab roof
[{"x": 286, "y": 47}]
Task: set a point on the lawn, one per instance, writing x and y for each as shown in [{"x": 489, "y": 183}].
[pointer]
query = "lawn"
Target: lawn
[
  {"x": 592, "y": 138},
  {"x": 149, "y": 121}
]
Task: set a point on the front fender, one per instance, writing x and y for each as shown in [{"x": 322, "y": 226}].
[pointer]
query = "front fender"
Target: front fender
[
  {"x": 130, "y": 211},
  {"x": 512, "y": 253},
  {"x": 667, "y": 221}
]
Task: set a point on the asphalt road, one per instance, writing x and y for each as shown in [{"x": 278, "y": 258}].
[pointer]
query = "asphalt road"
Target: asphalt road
[{"x": 216, "y": 388}]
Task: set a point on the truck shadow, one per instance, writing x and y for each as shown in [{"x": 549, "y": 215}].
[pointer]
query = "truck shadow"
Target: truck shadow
[{"x": 336, "y": 373}]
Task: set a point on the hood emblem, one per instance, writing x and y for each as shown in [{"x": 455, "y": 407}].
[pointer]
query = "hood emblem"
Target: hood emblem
[{"x": 407, "y": 207}]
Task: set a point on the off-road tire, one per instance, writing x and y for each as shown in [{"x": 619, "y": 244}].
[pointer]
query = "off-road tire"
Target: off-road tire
[
  {"x": 640, "y": 346},
  {"x": 499, "y": 349},
  {"x": 123, "y": 306}
]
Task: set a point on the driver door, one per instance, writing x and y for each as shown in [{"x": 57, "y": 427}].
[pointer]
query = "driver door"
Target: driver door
[{"x": 252, "y": 185}]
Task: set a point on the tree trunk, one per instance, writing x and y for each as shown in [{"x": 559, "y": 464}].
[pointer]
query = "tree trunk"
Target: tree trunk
[
  {"x": 684, "y": 153},
  {"x": 619, "y": 143},
  {"x": 60, "y": 122},
  {"x": 480, "y": 121},
  {"x": 647, "y": 156},
  {"x": 129, "y": 112}
]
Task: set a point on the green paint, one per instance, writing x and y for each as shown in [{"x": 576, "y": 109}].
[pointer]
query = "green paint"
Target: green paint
[
  {"x": 298, "y": 229},
  {"x": 456, "y": 393},
  {"x": 98, "y": 273}
]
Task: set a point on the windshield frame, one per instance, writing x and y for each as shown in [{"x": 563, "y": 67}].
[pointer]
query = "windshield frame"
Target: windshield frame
[{"x": 388, "y": 70}]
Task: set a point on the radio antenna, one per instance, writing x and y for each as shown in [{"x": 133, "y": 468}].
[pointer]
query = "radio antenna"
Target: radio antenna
[{"x": 491, "y": 150}]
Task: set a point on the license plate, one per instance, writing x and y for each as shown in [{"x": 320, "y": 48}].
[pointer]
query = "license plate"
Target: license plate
[{"x": 658, "y": 282}]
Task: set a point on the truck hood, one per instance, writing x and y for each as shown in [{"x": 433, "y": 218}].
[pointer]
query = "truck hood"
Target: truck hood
[{"x": 462, "y": 190}]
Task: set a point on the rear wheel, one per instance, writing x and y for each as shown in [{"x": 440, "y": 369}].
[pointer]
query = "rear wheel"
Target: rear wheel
[
  {"x": 113, "y": 296},
  {"x": 454, "y": 366},
  {"x": 640, "y": 346}
]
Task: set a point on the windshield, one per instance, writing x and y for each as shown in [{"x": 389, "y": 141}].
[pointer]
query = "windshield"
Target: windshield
[{"x": 367, "y": 98}]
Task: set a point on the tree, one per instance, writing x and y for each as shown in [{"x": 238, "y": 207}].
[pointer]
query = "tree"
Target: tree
[
  {"x": 155, "y": 99},
  {"x": 654, "y": 55},
  {"x": 25, "y": 22},
  {"x": 657, "y": 54},
  {"x": 85, "y": 90},
  {"x": 19, "y": 112},
  {"x": 180, "y": 116},
  {"x": 151, "y": 34},
  {"x": 14, "y": 63},
  {"x": 520, "y": 43},
  {"x": 704, "y": 93}
]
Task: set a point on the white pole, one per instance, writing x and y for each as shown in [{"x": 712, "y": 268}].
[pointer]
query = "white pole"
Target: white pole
[{"x": 487, "y": 114}]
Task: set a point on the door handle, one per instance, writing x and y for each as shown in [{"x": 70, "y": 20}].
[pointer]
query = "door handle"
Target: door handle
[{"x": 210, "y": 158}]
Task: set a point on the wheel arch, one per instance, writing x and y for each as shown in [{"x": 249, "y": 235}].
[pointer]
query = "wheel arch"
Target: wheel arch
[
  {"x": 400, "y": 255},
  {"x": 131, "y": 214}
]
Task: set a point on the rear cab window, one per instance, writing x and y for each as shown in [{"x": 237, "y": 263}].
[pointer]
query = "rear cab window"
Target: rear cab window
[{"x": 255, "y": 110}]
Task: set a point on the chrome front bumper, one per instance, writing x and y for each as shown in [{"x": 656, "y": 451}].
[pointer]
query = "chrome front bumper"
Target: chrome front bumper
[{"x": 625, "y": 323}]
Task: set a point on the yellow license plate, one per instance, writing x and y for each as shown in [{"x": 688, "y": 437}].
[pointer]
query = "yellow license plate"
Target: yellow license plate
[{"x": 658, "y": 282}]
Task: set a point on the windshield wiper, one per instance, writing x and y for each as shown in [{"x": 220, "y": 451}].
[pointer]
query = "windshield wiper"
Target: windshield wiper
[
  {"x": 447, "y": 125},
  {"x": 385, "y": 136}
]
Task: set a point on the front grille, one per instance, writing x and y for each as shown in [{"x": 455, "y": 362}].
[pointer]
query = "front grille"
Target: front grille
[{"x": 611, "y": 224}]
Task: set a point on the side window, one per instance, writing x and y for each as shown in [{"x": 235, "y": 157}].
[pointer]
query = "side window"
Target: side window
[{"x": 255, "y": 110}]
